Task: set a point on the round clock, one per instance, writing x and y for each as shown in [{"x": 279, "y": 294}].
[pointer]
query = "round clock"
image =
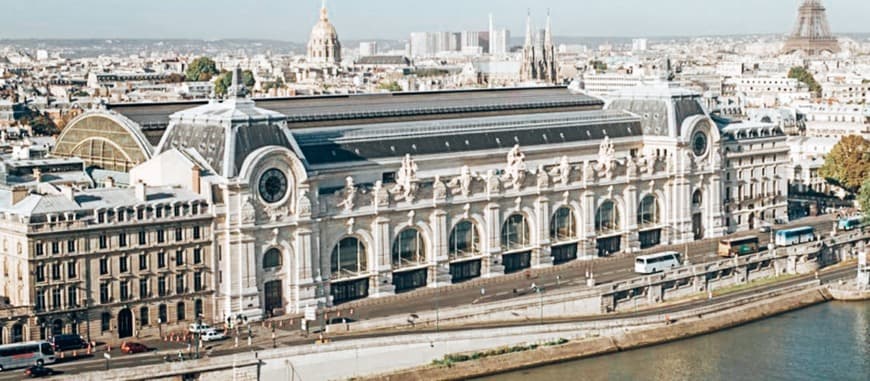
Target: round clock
[
  {"x": 699, "y": 143},
  {"x": 273, "y": 186}
]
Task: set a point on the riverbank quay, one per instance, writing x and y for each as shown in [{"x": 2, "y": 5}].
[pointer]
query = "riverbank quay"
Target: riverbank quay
[{"x": 680, "y": 327}]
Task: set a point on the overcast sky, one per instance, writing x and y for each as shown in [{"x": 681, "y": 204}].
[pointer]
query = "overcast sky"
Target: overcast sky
[{"x": 291, "y": 20}]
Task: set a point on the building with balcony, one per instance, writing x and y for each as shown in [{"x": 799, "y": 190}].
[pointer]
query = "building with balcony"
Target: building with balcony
[
  {"x": 104, "y": 263},
  {"x": 756, "y": 175}
]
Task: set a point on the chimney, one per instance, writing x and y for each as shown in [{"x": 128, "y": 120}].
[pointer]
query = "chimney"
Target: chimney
[
  {"x": 141, "y": 193},
  {"x": 195, "y": 179},
  {"x": 109, "y": 182},
  {"x": 68, "y": 192},
  {"x": 18, "y": 193}
]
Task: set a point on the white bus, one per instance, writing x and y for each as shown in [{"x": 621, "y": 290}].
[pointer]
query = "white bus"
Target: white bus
[
  {"x": 648, "y": 264},
  {"x": 795, "y": 236},
  {"x": 21, "y": 355}
]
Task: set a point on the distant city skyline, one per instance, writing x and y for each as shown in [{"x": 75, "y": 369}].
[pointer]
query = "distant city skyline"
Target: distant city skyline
[{"x": 394, "y": 19}]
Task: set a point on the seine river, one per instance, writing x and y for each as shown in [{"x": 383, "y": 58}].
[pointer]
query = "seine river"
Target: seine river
[{"x": 825, "y": 342}]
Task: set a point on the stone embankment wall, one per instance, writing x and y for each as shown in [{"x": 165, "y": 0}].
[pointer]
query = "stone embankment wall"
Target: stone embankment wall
[
  {"x": 574, "y": 350},
  {"x": 244, "y": 367}
]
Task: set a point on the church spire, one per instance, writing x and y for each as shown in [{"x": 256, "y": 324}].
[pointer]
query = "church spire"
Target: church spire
[
  {"x": 529, "y": 38},
  {"x": 548, "y": 33}
]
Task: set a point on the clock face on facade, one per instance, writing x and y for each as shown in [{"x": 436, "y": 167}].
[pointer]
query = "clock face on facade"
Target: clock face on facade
[
  {"x": 273, "y": 186},
  {"x": 699, "y": 143}
]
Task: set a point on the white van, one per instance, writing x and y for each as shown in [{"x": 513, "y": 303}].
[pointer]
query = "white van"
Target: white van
[{"x": 653, "y": 263}]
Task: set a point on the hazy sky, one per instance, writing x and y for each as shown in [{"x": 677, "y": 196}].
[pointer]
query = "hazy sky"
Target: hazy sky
[{"x": 291, "y": 20}]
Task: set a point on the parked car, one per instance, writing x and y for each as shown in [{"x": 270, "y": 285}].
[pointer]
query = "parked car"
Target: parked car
[
  {"x": 133, "y": 348},
  {"x": 38, "y": 371},
  {"x": 62, "y": 343},
  {"x": 212, "y": 335},
  {"x": 199, "y": 328},
  {"x": 340, "y": 320},
  {"x": 765, "y": 229}
]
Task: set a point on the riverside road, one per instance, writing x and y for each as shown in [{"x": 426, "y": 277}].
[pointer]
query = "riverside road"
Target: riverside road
[{"x": 568, "y": 276}]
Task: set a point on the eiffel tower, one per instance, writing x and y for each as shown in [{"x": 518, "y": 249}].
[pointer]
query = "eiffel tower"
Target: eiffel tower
[{"x": 811, "y": 33}]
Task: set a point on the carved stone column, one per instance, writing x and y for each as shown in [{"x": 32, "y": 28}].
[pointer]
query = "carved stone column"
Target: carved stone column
[
  {"x": 382, "y": 278},
  {"x": 439, "y": 270},
  {"x": 542, "y": 256}
]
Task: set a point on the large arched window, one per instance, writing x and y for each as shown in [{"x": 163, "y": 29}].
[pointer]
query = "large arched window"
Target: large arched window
[
  {"x": 464, "y": 240},
  {"x": 697, "y": 199},
  {"x": 515, "y": 233},
  {"x": 408, "y": 248},
  {"x": 348, "y": 258},
  {"x": 272, "y": 259},
  {"x": 607, "y": 217},
  {"x": 179, "y": 311},
  {"x": 563, "y": 226},
  {"x": 648, "y": 211}
]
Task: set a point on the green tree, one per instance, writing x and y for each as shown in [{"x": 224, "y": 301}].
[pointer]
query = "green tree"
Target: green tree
[
  {"x": 802, "y": 75},
  {"x": 391, "y": 86},
  {"x": 598, "y": 65},
  {"x": 201, "y": 69},
  {"x": 864, "y": 196},
  {"x": 276, "y": 84},
  {"x": 225, "y": 80},
  {"x": 42, "y": 125},
  {"x": 848, "y": 163}
]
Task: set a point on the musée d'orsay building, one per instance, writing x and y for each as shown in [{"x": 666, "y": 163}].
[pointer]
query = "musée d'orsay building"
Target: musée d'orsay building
[{"x": 279, "y": 204}]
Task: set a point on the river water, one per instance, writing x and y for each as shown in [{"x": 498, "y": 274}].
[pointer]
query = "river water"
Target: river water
[{"x": 825, "y": 342}]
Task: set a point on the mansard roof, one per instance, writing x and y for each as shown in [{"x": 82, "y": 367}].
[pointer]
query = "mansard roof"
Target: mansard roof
[
  {"x": 325, "y": 110},
  {"x": 346, "y": 144}
]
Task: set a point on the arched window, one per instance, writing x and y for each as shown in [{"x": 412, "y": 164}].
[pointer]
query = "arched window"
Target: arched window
[
  {"x": 563, "y": 225},
  {"x": 348, "y": 258},
  {"x": 515, "y": 233},
  {"x": 143, "y": 316},
  {"x": 272, "y": 259},
  {"x": 197, "y": 308},
  {"x": 607, "y": 217},
  {"x": 162, "y": 315},
  {"x": 17, "y": 333},
  {"x": 648, "y": 212},
  {"x": 408, "y": 249},
  {"x": 464, "y": 240},
  {"x": 697, "y": 198},
  {"x": 179, "y": 312}
]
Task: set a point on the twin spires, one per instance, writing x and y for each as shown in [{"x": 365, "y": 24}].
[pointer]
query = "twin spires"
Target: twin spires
[{"x": 539, "y": 54}]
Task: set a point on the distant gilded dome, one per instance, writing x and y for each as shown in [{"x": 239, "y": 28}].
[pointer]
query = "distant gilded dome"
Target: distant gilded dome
[{"x": 323, "y": 46}]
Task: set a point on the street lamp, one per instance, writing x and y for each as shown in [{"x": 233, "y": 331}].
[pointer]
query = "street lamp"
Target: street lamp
[
  {"x": 540, "y": 291},
  {"x": 198, "y": 333}
]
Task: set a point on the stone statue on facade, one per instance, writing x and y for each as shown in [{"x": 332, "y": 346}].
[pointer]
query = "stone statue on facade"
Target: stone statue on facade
[
  {"x": 493, "y": 184},
  {"x": 462, "y": 184},
  {"x": 606, "y": 156},
  {"x": 631, "y": 167},
  {"x": 249, "y": 213},
  {"x": 380, "y": 195},
  {"x": 406, "y": 180},
  {"x": 562, "y": 171},
  {"x": 347, "y": 195},
  {"x": 303, "y": 205},
  {"x": 588, "y": 172},
  {"x": 515, "y": 171},
  {"x": 648, "y": 164},
  {"x": 439, "y": 190},
  {"x": 543, "y": 178}
]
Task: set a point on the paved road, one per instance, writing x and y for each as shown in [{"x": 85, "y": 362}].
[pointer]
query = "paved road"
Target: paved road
[{"x": 571, "y": 275}]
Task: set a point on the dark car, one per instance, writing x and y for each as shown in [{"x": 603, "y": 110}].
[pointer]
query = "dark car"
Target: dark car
[
  {"x": 340, "y": 320},
  {"x": 62, "y": 343},
  {"x": 38, "y": 371},
  {"x": 133, "y": 348}
]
